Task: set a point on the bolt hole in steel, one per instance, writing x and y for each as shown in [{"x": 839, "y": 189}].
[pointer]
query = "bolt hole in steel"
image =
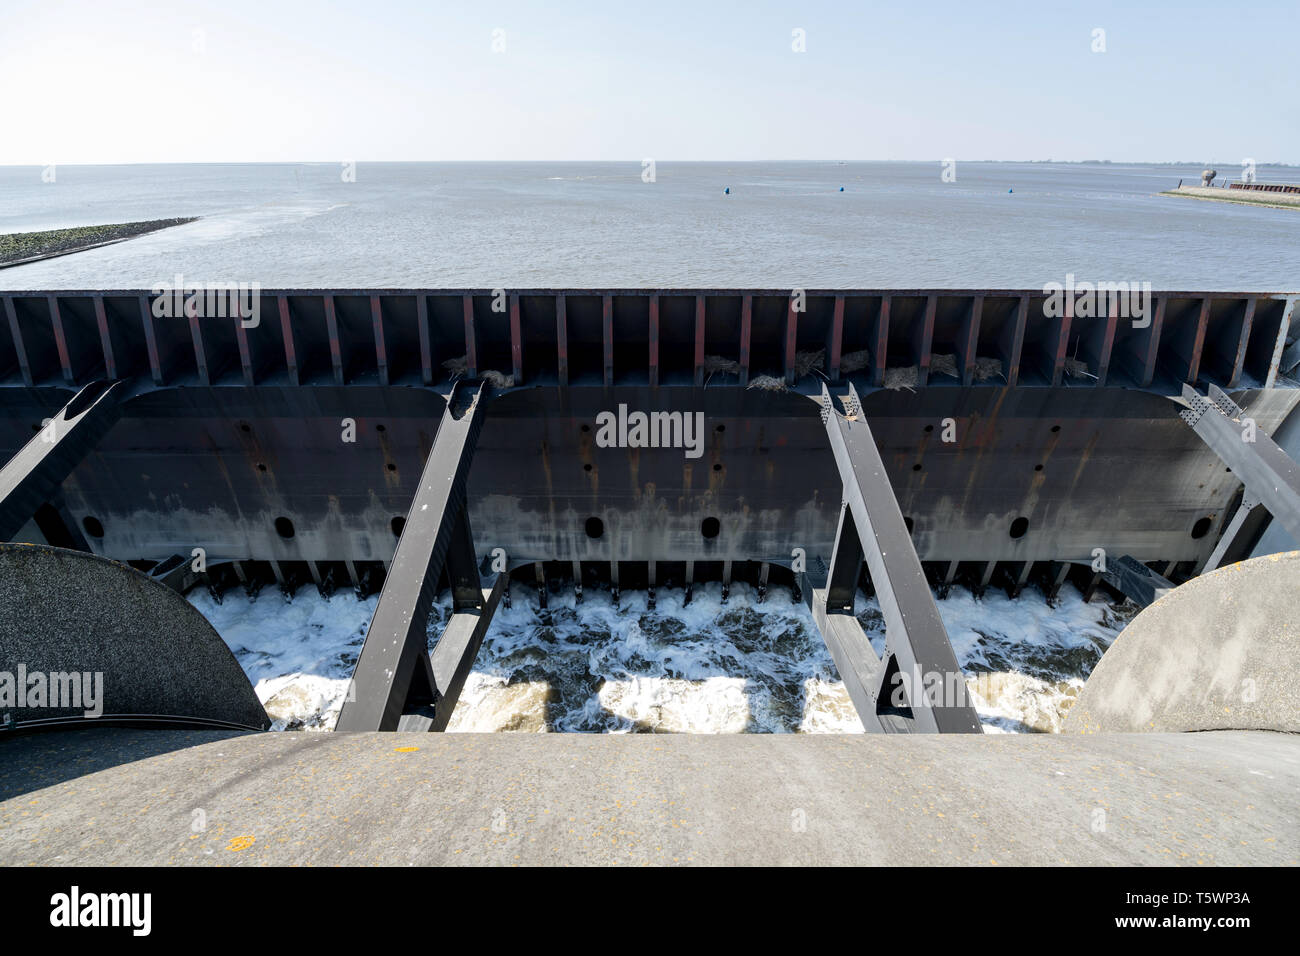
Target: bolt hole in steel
[
  {"x": 717, "y": 468},
  {"x": 1201, "y": 528},
  {"x": 1056, "y": 428},
  {"x": 595, "y": 527},
  {"x": 586, "y": 467},
  {"x": 397, "y": 524},
  {"x": 1019, "y": 527},
  {"x": 92, "y": 526},
  {"x": 916, "y": 467},
  {"x": 710, "y": 527},
  {"x": 392, "y": 467},
  {"x": 1038, "y": 467},
  {"x": 380, "y": 428},
  {"x": 284, "y": 527},
  {"x": 586, "y": 428},
  {"x": 245, "y": 427},
  {"x": 261, "y": 467},
  {"x": 721, "y": 428},
  {"x": 928, "y": 429}
]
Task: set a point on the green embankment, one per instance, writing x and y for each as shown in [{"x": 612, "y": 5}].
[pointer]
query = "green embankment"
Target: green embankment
[{"x": 27, "y": 246}]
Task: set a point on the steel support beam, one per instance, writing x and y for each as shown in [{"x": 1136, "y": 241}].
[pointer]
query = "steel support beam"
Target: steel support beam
[
  {"x": 1233, "y": 535},
  {"x": 397, "y": 684},
  {"x": 1271, "y": 477},
  {"x": 34, "y": 475},
  {"x": 1136, "y": 581},
  {"x": 917, "y": 651}
]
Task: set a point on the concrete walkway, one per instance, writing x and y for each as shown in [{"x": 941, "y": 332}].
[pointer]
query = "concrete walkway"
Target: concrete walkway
[{"x": 111, "y": 796}]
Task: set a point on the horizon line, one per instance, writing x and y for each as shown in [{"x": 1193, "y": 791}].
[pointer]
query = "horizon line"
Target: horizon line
[{"x": 639, "y": 162}]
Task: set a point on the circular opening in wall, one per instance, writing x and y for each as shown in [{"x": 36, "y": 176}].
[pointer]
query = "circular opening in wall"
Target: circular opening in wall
[
  {"x": 587, "y": 467},
  {"x": 717, "y": 468},
  {"x": 721, "y": 428},
  {"x": 284, "y": 527},
  {"x": 586, "y": 428},
  {"x": 1038, "y": 467},
  {"x": 92, "y": 526},
  {"x": 392, "y": 467},
  {"x": 1201, "y": 528},
  {"x": 929, "y": 428},
  {"x": 380, "y": 428},
  {"x": 908, "y": 523},
  {"x": 710, "y": 527},
  {"x": 1019, "y": 527},
  {"x": 1056, "y": 428},
  {"x": 916, "y": 467},
  {"x": 261, "y": 467},
  {"x": 397, "y": 524},
  {"x": 245, "y": 427},
  {"x": 595, "y": 527}
]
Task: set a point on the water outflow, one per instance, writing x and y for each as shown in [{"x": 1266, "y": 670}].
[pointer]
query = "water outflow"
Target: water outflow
[{"x": 703, "y": 667}]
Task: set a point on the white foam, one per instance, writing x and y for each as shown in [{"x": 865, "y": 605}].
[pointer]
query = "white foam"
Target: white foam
[{"x": 702, "y": 667}]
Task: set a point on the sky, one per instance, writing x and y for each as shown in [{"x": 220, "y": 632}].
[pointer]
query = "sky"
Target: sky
[{"x": 131, "y": 81}]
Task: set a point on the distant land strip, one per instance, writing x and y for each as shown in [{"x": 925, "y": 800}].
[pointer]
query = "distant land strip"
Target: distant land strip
[{"x": 18, "y": 248}]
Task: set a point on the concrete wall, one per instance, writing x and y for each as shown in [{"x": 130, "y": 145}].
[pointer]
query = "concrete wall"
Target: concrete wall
[{"x": 1221, "y": 652}]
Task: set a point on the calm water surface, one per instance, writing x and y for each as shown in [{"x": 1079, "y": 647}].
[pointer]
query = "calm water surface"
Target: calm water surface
[{"x": 520, "y": 225}]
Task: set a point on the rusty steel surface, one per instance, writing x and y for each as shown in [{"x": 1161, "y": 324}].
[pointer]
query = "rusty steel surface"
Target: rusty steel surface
[{"x": 230, "y": 436}]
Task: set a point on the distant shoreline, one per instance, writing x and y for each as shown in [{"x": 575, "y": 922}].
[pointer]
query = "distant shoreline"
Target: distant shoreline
[{"x": 20, "y": 248}]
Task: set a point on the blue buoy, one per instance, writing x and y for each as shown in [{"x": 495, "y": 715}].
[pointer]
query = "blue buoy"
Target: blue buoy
[
  {"x": 841, "y": 189},
  {"x": 727, "y": 191},
  {"x": 1010, "y": 190}
]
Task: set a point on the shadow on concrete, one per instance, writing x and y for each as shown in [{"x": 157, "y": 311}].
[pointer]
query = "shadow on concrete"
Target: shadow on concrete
[{"x": 31, "y": 761}]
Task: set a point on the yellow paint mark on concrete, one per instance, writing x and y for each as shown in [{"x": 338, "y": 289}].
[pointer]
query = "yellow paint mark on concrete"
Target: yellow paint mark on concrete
[
  {"x": 405, "y": 750},
  {"x": 240, "y": 843}
]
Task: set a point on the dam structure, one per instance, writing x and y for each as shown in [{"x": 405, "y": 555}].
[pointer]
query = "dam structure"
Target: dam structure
[{"x": 407, "y": 442}]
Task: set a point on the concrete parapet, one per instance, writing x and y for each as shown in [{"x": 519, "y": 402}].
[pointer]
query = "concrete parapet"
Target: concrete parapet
[
  {"x": 1221, "y": 652},
  {"x": 127, "y": 646}
]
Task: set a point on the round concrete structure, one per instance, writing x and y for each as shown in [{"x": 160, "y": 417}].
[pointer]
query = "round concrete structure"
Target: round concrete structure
[
  {"x": 100, "y": 640},
  {"x": 1221, "y": 652}
]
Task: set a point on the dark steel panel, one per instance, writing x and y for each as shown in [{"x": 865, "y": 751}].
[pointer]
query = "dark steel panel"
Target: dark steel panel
[
  {"x": 516, "y": 342},
  {"x": 746, "y": 334},
  {"x": 1013, "y": 341},
  {"x": 835, "y": 340},
  {"x": 607, "y": 337},
  {"x": 381, "y": 347}
]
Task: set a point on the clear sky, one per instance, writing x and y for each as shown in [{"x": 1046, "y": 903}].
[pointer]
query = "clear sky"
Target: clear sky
[{"x": 99, "y": 81}]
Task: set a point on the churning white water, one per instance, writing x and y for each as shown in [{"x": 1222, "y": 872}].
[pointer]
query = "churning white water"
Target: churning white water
[{"x": 703, "y": 667}]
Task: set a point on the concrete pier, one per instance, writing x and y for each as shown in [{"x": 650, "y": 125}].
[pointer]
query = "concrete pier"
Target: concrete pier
[
  {"x": 1246, "y": 197},
  {"x": 112, "y": 796}
]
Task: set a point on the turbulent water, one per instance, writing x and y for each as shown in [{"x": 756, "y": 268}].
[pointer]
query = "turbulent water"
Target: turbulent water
[
  {"x": 528, "y": 225},
  {"x": 706, "y": 667}
]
